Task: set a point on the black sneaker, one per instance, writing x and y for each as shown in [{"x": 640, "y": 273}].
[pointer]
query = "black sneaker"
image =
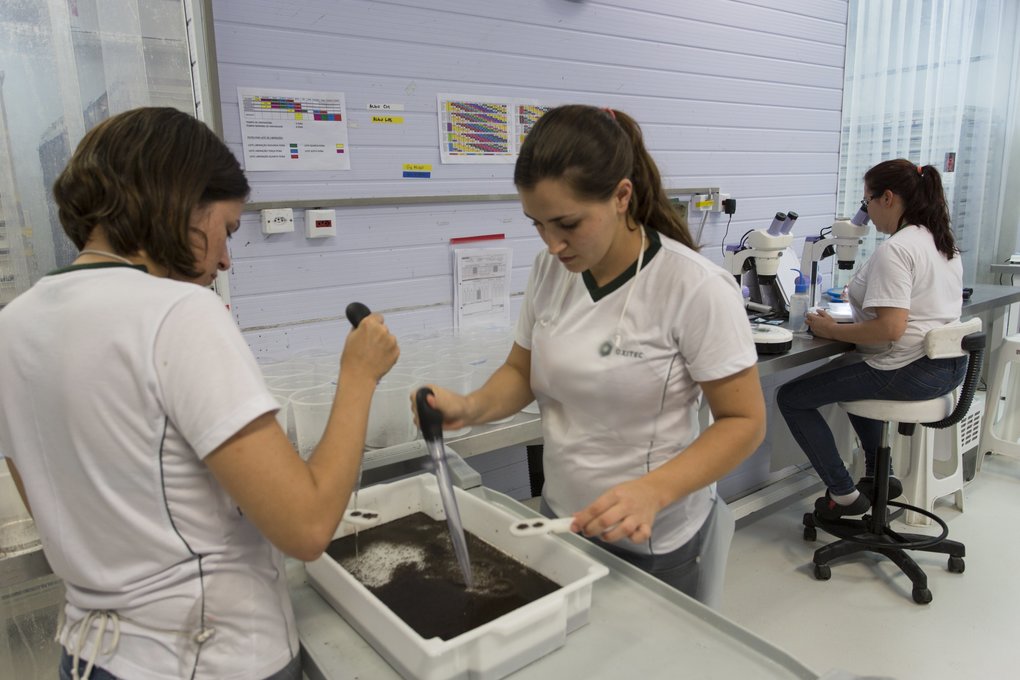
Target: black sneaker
[
  {"x": 867, "y": 487},
  {"x": 826, "y": 508}
]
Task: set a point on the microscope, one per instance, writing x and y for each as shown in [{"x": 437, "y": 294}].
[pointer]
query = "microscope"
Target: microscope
[
  {"x": 758, "y": 255},
  {"x": 844, "y": 239}
]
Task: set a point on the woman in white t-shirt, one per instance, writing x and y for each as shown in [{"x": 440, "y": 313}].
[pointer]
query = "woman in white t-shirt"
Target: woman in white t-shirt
[
  {"x": 624, "y": 327},
  {"x": 912, "y": 283},
  {"x": 140, "y": 431}
]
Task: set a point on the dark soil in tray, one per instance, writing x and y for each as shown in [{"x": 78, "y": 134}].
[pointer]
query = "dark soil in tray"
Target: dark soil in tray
[{"x": 410, "y": 566}]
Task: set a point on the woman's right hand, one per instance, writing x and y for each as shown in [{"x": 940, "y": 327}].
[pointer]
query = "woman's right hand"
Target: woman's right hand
[
  {"x": 454, "y": 407},
  {"x": 370, "y": 349}
]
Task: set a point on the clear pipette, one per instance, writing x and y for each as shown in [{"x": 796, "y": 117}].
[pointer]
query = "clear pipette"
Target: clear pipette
[
  {"x": 357, "y": 311},
  {"x": 431, "y": 422}
]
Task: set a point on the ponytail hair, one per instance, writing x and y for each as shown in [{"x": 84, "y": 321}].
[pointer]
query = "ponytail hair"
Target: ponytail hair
[
  {"x": 924, "y": 200},
  {"x": 591, "y": 150}
]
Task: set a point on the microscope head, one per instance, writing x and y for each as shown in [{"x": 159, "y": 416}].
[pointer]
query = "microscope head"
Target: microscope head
[
  {"x": 848, "y": 235},
  {"x": 760, "y": 249}
]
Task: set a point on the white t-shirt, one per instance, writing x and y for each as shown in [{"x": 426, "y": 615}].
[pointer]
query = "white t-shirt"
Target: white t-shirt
[
  {"x": 906, "y": 271},
  {"x": 115, "y": 386},
  {"x": 612, "y": 414}
]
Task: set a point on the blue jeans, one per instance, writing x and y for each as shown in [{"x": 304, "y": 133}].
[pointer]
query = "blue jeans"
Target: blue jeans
[
  {"x": 292, "y": 671},
  {"x": 800, "y": 399}
]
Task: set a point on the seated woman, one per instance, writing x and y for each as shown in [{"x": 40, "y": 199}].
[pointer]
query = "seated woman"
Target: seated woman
[{"x": 911, "y": 284}]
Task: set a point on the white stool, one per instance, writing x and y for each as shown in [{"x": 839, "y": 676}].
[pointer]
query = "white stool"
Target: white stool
[
  {"x": 1000, "y": 432},
  {"x": 921, "y": 486}
]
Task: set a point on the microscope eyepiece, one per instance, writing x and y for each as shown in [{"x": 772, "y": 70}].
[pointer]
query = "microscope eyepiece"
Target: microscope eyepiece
[
  {"x": 776, "y": 228},
  {"x": 791, "y": 217},
  {"x": 861, "y": 218}
]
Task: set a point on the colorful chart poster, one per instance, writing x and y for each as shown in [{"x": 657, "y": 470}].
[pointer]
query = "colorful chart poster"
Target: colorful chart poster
[
  {"x": 479, "y": 129},
  {"x": 527, "y": 115},
  {"x": 476, "y": 130},
  {"x": 293, "y": 130}
]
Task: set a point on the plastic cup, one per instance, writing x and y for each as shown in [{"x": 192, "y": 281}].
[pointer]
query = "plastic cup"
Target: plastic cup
[
  {"x": 287, "y": 368},
  {"x": 390, "y": 421},
  {"x": 326, "y": 368},
  {"x": 311, "y": 408},
  {"x": 283, "y": 415},
  {"x": 284, "y": 386}
]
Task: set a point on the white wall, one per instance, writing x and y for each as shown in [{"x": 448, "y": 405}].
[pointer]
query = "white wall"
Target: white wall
[{"x": 745, "y": 95}]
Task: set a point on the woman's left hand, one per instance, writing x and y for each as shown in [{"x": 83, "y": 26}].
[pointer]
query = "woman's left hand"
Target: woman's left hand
[
  {"x": 821, "y": 324},
  {"x": 625, "y": 511}
]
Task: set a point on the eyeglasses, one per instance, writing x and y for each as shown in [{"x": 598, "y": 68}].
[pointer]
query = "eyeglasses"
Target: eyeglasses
[{"x": 866, "y": 201}]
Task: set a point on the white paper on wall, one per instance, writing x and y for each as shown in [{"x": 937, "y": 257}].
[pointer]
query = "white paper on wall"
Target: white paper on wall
[{"x": 293, "y": 129}]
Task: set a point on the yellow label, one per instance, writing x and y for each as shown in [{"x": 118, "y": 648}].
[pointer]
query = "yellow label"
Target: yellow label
[
  {"x": 395, "y": 120},
  {"x": 417, "y": 167},
  {"x": 703, "y": 205}
]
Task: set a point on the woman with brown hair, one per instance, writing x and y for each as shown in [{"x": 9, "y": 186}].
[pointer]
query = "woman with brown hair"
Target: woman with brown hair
[
  {"x": 912, "y": 283},
  {"x": 143, "y": 435},
  {"x": 624, "y": 328}
]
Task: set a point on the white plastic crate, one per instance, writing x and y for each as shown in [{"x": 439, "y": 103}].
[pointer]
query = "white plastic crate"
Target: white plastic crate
[
  {"x": 964, "y": 436},
  {"x": 490, "y": 651}
]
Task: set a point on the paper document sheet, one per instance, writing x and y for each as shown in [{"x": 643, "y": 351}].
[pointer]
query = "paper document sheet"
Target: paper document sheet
[{"x": 481, "y": 286}]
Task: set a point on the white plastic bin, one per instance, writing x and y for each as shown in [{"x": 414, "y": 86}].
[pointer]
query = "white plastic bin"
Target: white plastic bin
[{"x": 490, "y": 651}]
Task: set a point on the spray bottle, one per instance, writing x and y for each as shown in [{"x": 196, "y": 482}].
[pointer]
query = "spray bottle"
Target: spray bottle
[{"x": 799, "y": 303}]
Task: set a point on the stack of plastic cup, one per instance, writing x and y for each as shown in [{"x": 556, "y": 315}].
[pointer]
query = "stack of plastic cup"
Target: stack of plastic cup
[
  {"x": 311, "y": 407},
  {"x": 325, "y": 363},
  {"x": 283, "y": 389},
  {"x": 390, "y": 421},
  {"x": 285, "y": 368}
]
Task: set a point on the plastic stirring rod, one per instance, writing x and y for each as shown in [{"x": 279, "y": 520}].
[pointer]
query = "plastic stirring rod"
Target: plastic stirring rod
[
  {"x": 431, "y": 423},
  {"x": 540, "y": 527},
  {"x": 355, "y": 312}
]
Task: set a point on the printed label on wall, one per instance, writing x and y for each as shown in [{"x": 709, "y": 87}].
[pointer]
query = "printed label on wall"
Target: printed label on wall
[
  {"x": 417, "y": 170},
  {"x": 393, "y": 120},
  {"x": 385, "y": 107}
]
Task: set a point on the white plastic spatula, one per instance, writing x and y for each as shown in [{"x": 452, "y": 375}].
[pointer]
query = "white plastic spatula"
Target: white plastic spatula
[
  {"x": 362, "y": 518},
  {"x": 538, "y": 527}
]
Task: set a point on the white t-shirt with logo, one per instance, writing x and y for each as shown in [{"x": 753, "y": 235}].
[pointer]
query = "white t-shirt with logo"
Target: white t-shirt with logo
[
  {"x": 907, "y": 271},
  {"x": 612, "y": 414},
  {"x": 116, "y": 385}
]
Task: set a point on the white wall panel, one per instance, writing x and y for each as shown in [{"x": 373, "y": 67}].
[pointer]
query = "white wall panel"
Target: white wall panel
[{"x": 742, "y": 94}]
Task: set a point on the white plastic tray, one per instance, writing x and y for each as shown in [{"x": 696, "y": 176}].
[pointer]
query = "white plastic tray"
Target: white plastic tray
[{"x": 487, "y": 652}]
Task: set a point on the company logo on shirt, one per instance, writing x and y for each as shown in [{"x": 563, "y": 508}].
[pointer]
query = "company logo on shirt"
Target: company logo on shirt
[{"x": 606, "y": 348}]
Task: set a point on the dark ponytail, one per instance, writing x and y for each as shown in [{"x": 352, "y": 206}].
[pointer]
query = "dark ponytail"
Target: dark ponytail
[
  {"x": 593, "y": 149},
  {"x": 924, "y": 200}
]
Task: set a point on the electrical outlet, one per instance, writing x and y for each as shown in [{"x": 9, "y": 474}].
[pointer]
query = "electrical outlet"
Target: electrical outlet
[
  {"x": 717, "y": 201},
  {"x": 701, "y": 202},
  {"x": 277, "y": 220}
]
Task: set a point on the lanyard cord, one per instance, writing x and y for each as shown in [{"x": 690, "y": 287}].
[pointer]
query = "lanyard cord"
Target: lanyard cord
[{"x": 630, "y": 291}]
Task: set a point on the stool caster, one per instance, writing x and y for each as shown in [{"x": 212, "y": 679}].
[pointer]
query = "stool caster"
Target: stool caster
[
  {"x": 824, "y": 573},
  {"x": 921, "y": 595},
  {"x": 956, "y": 564},
  {"x": 810, "y": 534}
]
